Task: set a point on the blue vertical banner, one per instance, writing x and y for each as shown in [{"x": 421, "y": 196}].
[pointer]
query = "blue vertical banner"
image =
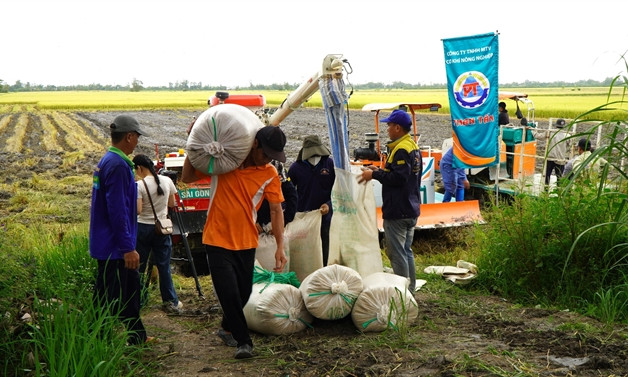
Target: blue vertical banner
[{"x": 472, "y": 69}]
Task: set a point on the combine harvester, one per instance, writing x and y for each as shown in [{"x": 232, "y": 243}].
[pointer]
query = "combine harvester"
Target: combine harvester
[
  {"x": 522, "y": 162},
  {"x": 434, "y": 214}
]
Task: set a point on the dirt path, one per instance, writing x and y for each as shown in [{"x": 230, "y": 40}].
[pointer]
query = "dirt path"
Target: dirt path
[{"x": 456, "y": 333}]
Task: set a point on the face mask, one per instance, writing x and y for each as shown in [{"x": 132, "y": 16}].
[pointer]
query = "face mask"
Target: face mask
[{"x": 314, "y": 160}]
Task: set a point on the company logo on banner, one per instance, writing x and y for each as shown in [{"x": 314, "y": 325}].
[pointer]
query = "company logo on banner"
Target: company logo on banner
[{"x": 472, "y": 83}]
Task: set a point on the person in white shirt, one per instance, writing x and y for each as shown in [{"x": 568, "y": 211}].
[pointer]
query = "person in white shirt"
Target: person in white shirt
[
  {"x": 162, "y": 191},
  {"x": 584, "y": 152},
  {"x": 557, "y": 148}
]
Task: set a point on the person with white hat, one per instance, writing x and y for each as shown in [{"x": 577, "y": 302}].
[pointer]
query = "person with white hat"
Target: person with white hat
[{"x": 313, "y": 175}]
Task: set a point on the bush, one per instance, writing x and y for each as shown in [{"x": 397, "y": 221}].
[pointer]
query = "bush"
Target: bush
[{"x": 568, "y": 248}]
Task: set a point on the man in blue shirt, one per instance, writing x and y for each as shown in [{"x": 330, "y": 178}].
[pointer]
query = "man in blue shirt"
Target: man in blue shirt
[{"x": 113, "y": 228}]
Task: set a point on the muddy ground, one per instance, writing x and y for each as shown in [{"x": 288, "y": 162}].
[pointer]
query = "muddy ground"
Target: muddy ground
[
  {"x": 170, "y": 127},
  {"x": 457, "y": 333}
]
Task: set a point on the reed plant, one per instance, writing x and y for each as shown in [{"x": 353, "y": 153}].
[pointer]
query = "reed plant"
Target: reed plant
[
  {"x": 399, "y": 312},
  {"x": 569, "y": 248}
]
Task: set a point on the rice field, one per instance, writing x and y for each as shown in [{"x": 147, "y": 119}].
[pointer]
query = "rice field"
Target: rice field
[{"x": 548, "y": 102}]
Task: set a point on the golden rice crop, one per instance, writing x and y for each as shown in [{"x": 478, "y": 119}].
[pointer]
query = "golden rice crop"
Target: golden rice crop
[
  {"x": 564, "y": 102},
  {"x": 14, "y": 143}
]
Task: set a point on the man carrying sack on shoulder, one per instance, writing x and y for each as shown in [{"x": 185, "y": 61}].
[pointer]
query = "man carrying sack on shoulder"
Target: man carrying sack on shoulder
[{"x": 230, "y": 236}]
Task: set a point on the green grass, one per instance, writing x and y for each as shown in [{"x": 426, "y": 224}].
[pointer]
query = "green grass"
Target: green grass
[{"x": 68, "y": 335}]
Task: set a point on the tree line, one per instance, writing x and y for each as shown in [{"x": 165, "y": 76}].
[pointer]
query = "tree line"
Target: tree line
[{"x": 137, "y": 85}]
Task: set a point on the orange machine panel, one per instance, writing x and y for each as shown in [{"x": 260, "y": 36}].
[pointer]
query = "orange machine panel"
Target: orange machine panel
[
  {"x": 248, "y": 100},
  {"x": 529, "y": 151},
  {"x": 436, "y": 153}
]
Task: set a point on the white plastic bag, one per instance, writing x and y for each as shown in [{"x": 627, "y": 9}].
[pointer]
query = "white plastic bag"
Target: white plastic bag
[
  {"x": 353, "y": 235},
  {"x": 303, "y": 236},
  {"x": 221, "y": 138},
  {"x": 462, "y": 274},
  {"x": 276, "y": 309},
  {"x": 331, "y": 291},
  {"x": 384, "y": 301}
]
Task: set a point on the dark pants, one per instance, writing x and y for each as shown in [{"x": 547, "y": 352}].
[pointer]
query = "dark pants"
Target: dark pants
[
  {"x": 510, "y": 160},
  {"x": 232, "y": 276},
  {"x": 554, "y": 166},
  {"x": 325, "y": 241},
  {"x": 118, "y": 287}
]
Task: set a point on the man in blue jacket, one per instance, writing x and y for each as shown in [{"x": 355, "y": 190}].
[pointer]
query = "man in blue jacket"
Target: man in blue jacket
[
  {"x": 401, "y": 184},
  {"x": 113, "y": 228}
]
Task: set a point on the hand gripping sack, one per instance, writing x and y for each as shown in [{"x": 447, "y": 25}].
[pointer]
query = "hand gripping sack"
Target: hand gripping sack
[
  {"x": 265, "y": 252},
  {"x": 221, "y": 138},
  {"x": 384, "y": 301},
  {"x": 164, "y": 226},
  {"x": 331, "y": 291},
  {"x": 276, "y": 309}
]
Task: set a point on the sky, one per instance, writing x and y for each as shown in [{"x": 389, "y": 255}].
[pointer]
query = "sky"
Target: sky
[{"x": 239, "y": 42}]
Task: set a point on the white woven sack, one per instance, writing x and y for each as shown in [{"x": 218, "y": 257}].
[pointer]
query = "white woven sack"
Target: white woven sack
[
  {"x": 265, "y": 252},
  {"x": 276, "y": 309},
  {"x": 331, "y": 291},
  {"x": 384, "y": 301},
  {"x": 221, "y": 138},
  {"x": 353, "y": 235},
  {"x": 303, "y": 236}
]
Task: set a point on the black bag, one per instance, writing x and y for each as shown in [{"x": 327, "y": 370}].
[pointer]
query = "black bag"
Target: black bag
[{"x": 163, "y": 226}]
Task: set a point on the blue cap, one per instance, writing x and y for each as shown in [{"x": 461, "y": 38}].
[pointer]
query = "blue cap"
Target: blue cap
[{"x": 399, "y": 117}]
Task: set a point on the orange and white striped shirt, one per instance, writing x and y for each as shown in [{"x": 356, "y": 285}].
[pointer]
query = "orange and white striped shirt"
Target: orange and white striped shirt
[{"x": 234, "y": 200}]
